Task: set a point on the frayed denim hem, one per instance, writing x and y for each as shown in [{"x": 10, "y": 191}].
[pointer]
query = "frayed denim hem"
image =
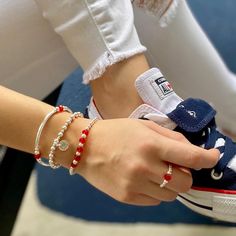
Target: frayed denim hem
[{"x": 106, "y": 60}]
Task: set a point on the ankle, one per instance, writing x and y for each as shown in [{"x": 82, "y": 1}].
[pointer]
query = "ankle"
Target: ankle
[{"x": 114, "y": 93}]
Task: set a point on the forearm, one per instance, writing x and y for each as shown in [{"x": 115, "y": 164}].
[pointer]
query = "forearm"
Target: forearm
[{"x": 20, "y": 117}]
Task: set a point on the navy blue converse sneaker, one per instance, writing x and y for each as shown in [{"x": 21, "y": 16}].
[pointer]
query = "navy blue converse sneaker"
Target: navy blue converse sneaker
[{"x": 213, "y": 192}]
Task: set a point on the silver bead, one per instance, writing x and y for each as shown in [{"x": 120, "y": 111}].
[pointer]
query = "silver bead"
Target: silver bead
[
  {"x": 36, "y": 152},
  {"x": 57, "y": 139},
  {"x": 51, "y": 155},
  {"x": 81, "y": 144}
]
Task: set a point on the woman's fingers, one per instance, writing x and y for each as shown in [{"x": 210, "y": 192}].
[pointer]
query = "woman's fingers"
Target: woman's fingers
[
  {"x": 188, "y": 155},
  {"x": 166, "y": 132},
  {"x": 173, "y": 147},
  {"x": 154, "y": 191},
  {"x": 141, "y": 199},
  {"x": 181, "y": 181}
]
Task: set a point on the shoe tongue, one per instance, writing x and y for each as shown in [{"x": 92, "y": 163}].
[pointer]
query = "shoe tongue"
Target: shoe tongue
[
  {"x": 192, "y": 115},
  {"x": 156, "y": 91}
]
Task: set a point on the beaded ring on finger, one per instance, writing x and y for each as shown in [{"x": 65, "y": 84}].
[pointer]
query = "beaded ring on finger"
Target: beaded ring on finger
[{"x": 167, "y": 177}]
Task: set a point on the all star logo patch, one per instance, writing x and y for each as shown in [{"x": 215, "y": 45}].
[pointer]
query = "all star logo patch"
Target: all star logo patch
[{"x": 162, "y": 87}]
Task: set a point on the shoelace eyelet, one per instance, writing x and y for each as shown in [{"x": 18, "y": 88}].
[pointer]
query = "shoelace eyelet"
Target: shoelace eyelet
[{"x": 216, "y": 176}]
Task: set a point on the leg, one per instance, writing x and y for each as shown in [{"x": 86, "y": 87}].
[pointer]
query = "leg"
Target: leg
[
  {"x": 190, "y": 62},
  {"x": 30, "y": 51},
  {"x": 99, "y": 34}
]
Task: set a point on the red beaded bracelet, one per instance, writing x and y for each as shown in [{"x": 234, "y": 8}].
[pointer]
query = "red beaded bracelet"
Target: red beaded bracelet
[{"x": 80, "y": 148}]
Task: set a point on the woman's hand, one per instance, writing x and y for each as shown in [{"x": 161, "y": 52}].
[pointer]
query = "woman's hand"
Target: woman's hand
[{"x": 127, "y": 159}]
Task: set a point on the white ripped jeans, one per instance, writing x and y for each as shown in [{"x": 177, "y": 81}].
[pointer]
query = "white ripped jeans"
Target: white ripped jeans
[{"x": 99, "y": 33}]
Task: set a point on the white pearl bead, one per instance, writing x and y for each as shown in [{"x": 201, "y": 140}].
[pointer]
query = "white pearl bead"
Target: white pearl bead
[
  {"x": 50, "y": 155},
  {"x": 83, "y": 136},
  {"x": 77, "y": 153},
  {"x": 81, "y": 144},
  {"x": 53, "y": 148},
  {"x": 75, "y": 162}
]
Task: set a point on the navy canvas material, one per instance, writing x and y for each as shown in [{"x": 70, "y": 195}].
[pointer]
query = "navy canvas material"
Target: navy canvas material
[{"x": 193, "y": 117}]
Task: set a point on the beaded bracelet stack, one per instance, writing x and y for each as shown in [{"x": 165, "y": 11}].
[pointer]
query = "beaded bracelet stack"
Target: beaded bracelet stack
[
  {"x": 60, "y": 143},
  {"x": 37, "y": 153},
  {"x": 63, "y": 145}
]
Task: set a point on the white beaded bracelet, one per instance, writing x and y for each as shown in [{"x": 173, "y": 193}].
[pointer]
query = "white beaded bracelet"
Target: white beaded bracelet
[
  {"x": 37, "y": 153},
  {"x": 63, "y": 145}
]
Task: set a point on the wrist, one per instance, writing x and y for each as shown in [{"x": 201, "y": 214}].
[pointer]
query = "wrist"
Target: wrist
[{"x": 71, "y": 135}]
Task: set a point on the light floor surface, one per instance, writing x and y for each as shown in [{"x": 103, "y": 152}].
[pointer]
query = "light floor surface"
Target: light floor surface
[{"x": 36, "y": 220}]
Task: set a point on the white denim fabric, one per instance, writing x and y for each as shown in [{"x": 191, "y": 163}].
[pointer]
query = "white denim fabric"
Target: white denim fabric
[
  {"x": 33, "y": 58},
  {"x": 163, "y": 10},
  {"x": 98, "y": 33}
]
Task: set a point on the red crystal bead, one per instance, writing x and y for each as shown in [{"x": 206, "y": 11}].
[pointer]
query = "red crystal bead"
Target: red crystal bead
[
  {"x": 80, "y": 149},
  {"x": 82, "y": 140},
  {"x": 167, "y": 177},
  {"x": 77, "y": 158},
  {"x": 37, "y": 156},
  {"x": 73, "y": 165},
  {"x": 61, "y": 108},
  {"x": 85, "y": 131}
]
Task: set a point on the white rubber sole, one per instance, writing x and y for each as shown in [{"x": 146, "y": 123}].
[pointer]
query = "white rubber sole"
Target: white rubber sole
[{"x": 220, "y": 205}]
